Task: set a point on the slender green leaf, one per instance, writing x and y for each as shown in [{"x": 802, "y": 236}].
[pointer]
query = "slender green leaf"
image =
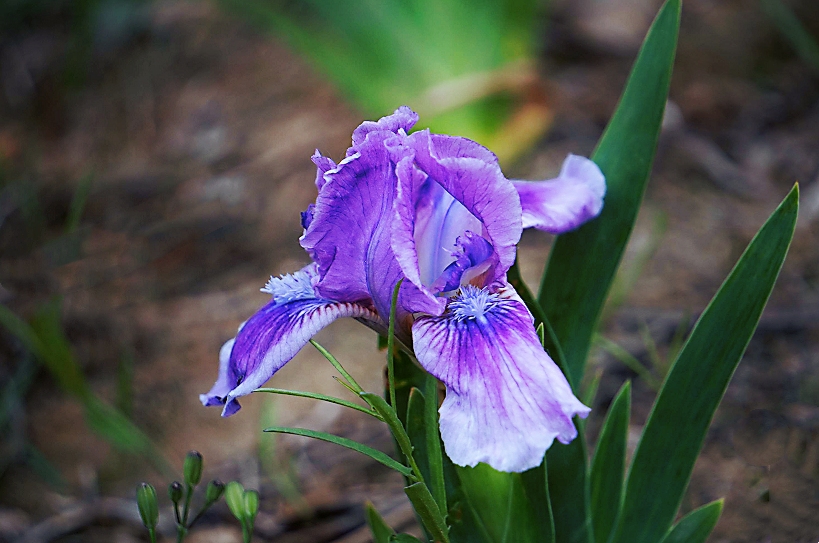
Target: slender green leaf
[
  {"x": 376, "y": 455},
  {"x": 697, "y": 380},
  {"x": 582, "y": 263},
  {"x": 609, "y": 466},
  {"x": 696, "y": 526},
  {"x": 348, "y": 382},
  {"x": 321, "y": 397},
  {"x": 425, "y": 445},
  {"x": 378, "y": 526},
  {"x": 426, "y": 508},
  {"x": 404, "y": 538},
  {"x": 434, "y": 455}
]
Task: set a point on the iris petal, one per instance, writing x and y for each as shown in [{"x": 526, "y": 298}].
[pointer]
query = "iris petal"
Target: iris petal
[
  {"x": 273, "y": 336},
  {"x": 562, "y": 204},
  {"x": 348, "y": 234},
  {"x": 506, "y": 399}
]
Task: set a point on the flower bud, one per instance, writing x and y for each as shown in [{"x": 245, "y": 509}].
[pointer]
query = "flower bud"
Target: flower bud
[
  {"x": 235, "y": 498},
  {"x": 192, "y": 468},
  {"x": 147, "y": 504},
  {"x": 251, "y": 505},
  {"x": 175, "y": 492},
  {"x": 214, "y": 491}
]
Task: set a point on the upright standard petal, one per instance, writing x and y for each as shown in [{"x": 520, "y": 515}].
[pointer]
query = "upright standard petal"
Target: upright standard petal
[
  {"x": 562, "y": 204},
  {"x": 273, "y": 336},
  {"x": 348, "y": 232},
  {"x": 469, "y": 174},
  {"x": 506, "y": 400}
]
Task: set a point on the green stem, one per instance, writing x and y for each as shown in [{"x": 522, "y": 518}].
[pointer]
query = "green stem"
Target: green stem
[
  {"x": 152, "y": 535},
  {"x": 391, "y": 346},
  {"x": 186, "y": 510}
]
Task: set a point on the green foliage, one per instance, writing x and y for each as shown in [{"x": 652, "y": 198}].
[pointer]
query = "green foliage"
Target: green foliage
[
  {"x": 583, "y": 263},
  {"x": 375, "y": 454},
  {"x": 45, "y": 338},
  {"x": 462, "y": 78},
  {"x": 792, "y": 29},
  {"x": 696, "y": 526},
  {"x": 608, "y": 466},
  {"x": 697, "y": 381}
]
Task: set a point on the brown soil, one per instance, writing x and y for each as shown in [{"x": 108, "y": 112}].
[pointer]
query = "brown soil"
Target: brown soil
[{"x": 198, "y": 130}]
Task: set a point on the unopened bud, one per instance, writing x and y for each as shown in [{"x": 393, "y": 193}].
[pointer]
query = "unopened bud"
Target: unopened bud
[
  {"x": 251, "y": 506},
  {"x": 175, "y": 492},
  {"x": 147, "y": 504},
  {"x": 235, "y": 498},
  {"x": 214, "y": 491},
  {"x": 192, "y": 468}
]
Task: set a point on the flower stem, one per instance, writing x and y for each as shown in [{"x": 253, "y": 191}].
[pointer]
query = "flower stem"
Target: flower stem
[{"x": 391, "y": 346}]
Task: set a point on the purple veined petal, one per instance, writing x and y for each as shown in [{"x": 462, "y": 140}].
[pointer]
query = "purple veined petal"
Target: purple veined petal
[
  {"x": 273, "y": 336},
  {"x": 562, "y": 204},
  {"x": 222, "y": 386},
  {"x": 468, "y": 173},
  {"x": 506, "y": 400},
  {"x": 348, "y": 235},
  {"x": 323, "y": 165},
  {"x": 402, "y": 119}
]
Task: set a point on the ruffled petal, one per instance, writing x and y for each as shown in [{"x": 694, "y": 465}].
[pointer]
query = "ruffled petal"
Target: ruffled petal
[
  {"x": 273, "y": 336},
  {"x": 473, "y": 191},
  {"x": 348, "y": 232},
  {"x": 506, "y": 400},
  {"x": 323, "y": 165},
  {"x": 402, "y": 119},
  {"x": 562, "y": 204}
]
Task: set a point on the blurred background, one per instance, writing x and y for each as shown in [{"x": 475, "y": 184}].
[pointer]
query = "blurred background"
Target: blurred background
[{"x": 155, "y": 156}]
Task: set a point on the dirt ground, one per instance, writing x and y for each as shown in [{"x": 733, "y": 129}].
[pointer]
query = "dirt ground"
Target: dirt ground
[{"x": 196, "y": 131}]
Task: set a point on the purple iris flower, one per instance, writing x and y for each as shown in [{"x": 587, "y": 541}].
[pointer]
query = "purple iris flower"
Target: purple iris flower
[{"x": 437, "y": 212}]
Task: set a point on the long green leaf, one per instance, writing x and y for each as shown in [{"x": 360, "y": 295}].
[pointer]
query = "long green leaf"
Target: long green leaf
[
  {"x": 375, "y": 454},
  {"x": 426, "y": 446},
  {"x": 382, "y": 532},
  {"x": 609, "y": 466},
  {"x": 321, "y": 397},
  {"x": 424, "y": 504},
  {"x": 582, "y": 264},
  {"x": 696, "y": 526},
  {"x": 697, "y": 381}
]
